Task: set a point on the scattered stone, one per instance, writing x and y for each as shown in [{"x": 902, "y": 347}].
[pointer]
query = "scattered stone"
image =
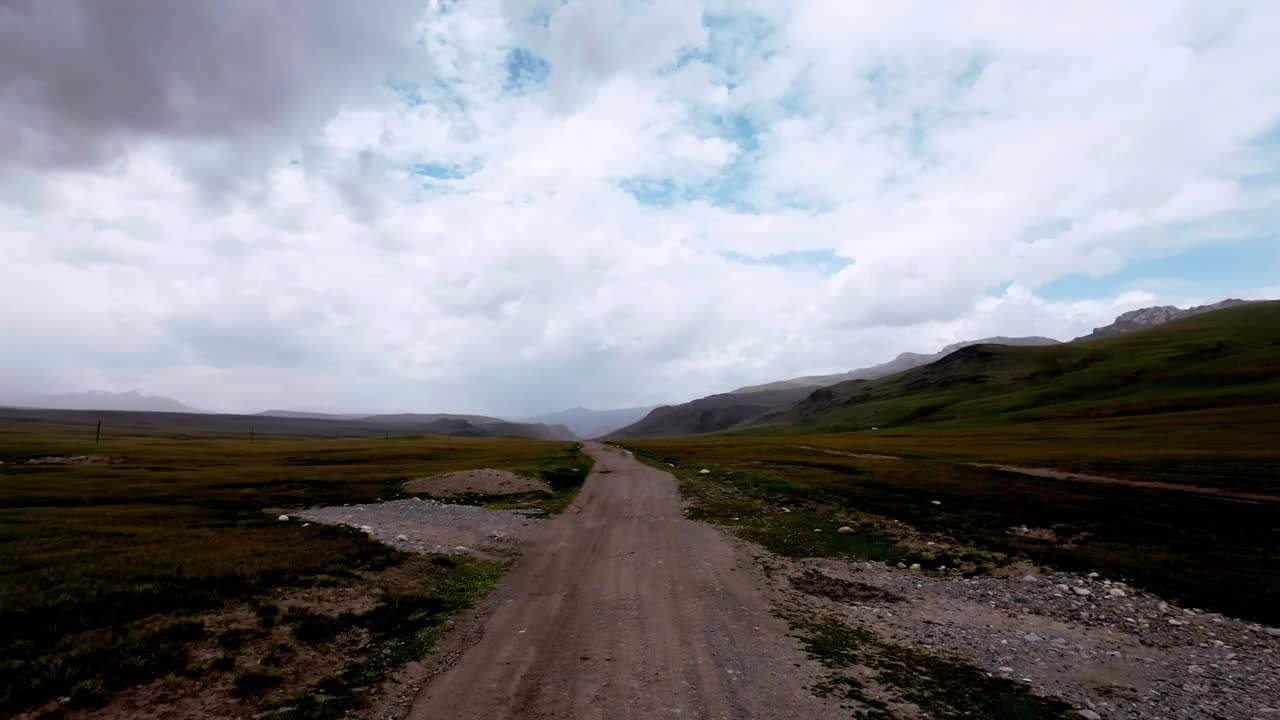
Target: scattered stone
[
  {"x": 845, "y": 530},
  {"x": 367, "y": 528},
  {"x": 1032, "y": 637},
  {"x": 283, "y": 518},
  {"x": 1005, "y": 669},
  {"x": 937, "y": 502},
  {"x": 402, "y": 538},
  {"x": 1273, "y": 632},
  {"x": 1029, "y": 578},
  {"x": 1175, "y": 621},
  {"x": 915, "y": 566},
  {"x": 1088, "y": 714},
  {"x": 1081, "y": 591},
  {"x": 704, "y": 471},
  {"x": 1063, "y": 587},
  {"x": 1115, "y": 592}
]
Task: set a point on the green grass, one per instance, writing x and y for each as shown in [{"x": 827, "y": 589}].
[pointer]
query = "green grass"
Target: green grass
[
  {"x": 102, "y": 565},
  {"x": 1215, "y": 374},
  {"x": 1195, "y": 549},
  {"x": 941, "y": 687}
]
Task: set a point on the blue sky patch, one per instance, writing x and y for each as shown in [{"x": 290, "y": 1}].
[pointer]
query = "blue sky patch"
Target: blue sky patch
[
  {"x": 410, "y": 93},
  {"x": 525, "y": 70},
  {"x": 657, "y": 192},
  {"x": 825, "y": 261},
  {"x": 1218, "y": 269},
  {"x": 439, "y": 171}
]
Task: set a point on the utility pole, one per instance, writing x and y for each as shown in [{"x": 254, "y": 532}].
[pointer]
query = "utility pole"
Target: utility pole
[{"x": 97, "y": 434}]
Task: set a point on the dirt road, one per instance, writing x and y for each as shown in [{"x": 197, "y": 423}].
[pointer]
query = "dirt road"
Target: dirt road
[{"x": 622, "y": 608}]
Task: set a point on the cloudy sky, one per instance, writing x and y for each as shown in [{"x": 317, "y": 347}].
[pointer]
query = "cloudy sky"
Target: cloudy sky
[{"x": 513, "y": 207}]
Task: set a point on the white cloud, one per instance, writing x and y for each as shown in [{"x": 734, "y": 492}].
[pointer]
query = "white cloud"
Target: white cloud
[{"x": 304, "y": 237}]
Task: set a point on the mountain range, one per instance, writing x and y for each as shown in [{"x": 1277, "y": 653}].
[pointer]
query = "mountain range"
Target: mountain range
[
  {"x": 790, "y": 400},
  {"x": 588, "y": 423},
  {"x": 797, "y": 398}
]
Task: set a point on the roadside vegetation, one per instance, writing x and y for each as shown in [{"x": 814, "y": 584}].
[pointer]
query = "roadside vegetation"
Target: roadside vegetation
[
  {"x": 1200, "y": 550},
  {"x": 939, "y": 686},
  {"x": 120, "y": 564}
]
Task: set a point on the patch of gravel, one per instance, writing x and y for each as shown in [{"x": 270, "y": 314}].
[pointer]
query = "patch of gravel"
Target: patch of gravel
[
  {"x": 1113, "y": 651},
  {"x": 428, "y": 526},
  {"x": 486, "y": 481}
]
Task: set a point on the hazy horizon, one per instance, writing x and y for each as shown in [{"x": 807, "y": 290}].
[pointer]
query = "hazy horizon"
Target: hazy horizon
[{"x": 482, "y": 208}]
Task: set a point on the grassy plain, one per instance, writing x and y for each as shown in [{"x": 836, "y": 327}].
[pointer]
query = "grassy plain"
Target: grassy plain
[
  {"x": 103, "y": 567},
  {"x": 1201, "y": 550}
]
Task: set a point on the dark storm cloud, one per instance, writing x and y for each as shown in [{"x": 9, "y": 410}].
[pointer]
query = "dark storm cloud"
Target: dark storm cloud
[{"x": 80, "y": 80}]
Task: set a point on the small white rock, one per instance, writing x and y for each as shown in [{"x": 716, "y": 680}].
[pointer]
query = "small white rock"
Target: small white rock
[
  {"x": 1089, "y": 715},
  {"x": 1029, "y": 578},
  {"x": 1115, "y": 592},
  {"x": 1081, "y": 591},
  {"x": 402, "y": 538},
  {"x": 283, "y": 518},
  {"x": 1175, "y": 622},
  {"x": 1005, "y": 669},
  {"x": 915, "y": 566},
  {"x": 704, "y": 471},
  {"x": 845, "y": 530},
  {"x": 1063, "y": 587},
  {"x": 937, "y": 502},
  {"x": 366, "y": 528}
]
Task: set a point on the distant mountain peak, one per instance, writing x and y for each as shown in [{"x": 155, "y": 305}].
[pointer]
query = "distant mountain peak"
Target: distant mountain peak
[
  {"x": 131, "y": 400},
  {"x": 1156, "y": 315}
]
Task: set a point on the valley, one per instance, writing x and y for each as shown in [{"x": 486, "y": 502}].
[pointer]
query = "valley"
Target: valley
[{"x": 1081, "y": 529}]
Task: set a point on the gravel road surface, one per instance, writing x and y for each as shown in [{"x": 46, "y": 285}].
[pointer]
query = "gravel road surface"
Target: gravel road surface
[{"x": 622, "y": 608}]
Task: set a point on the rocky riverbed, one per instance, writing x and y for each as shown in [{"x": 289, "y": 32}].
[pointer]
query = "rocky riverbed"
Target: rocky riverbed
[{"x": 1113, "y": 651}]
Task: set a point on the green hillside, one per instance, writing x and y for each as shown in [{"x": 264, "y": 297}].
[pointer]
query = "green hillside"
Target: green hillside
[{"x": 1225, "y": 359}]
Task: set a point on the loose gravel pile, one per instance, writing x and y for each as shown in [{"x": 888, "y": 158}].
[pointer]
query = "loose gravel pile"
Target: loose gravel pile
[
  {"x": 428, "y": 526},
  {"x": 1117, "y": 652}
]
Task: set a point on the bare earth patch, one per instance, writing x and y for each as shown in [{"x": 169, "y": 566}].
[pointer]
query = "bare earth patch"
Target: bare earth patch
[
  {"x": 75, "y": 460},
  {"x": 428, "y": 526},
  {"x": 248, "y": 657},
  {"x": 476, "y": 482}
]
